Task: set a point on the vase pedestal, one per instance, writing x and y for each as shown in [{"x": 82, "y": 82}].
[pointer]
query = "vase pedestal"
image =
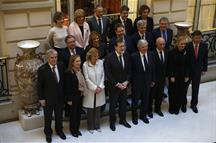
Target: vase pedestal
[{"x": 33, "y": 122}]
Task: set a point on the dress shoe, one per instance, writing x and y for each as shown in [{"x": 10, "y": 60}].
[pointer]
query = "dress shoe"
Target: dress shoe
[
  {"x": 176, "y": 112},
  {"x": 194, "y": 108},
  {"x": 112, "y": 127},
  {"x": 184, "y": 109},
  {"x": 61, "y": 135},
  {"x": 91, "y": 131},
  {"x": 79, "y": 133},
  {"x": 171, "y": 111},
  {"x": 159, "y": 113},
  {"x": 98, "y": 130},
  {"x": 135, "y": 121},
  {"x": 75, "y": 135},
  {"x": 145, "y": 120},
  {"x": 150, "y": 115},
  {"x": 49, "y": 138},
  {"x": 126, "y": 124}
]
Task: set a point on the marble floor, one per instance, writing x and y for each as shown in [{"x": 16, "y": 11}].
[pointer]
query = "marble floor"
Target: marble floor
[{"x": 185, "y": 127}]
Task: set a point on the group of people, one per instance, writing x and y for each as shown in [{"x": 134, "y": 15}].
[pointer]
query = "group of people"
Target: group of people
[{"x": 82, "y": 69}]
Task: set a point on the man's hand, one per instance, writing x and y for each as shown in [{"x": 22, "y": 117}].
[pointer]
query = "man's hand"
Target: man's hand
[
  {"x": 98, "y": 90},
  {"x": 69, "y": 103},
  {"x": 172, "y": 79}
]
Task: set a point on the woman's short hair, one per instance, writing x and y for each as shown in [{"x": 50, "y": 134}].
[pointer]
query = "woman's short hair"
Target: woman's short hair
[
  {"x": 58, "y": 16},
  {"x": 90, "y": 53},
  {"x": 79, "y": 13},
  {"x": 92, "y": 36},
  {"x": 143, "y": 8}
]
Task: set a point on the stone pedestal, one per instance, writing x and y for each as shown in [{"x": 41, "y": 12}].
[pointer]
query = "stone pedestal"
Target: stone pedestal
[{"x": 33, "y": 122}]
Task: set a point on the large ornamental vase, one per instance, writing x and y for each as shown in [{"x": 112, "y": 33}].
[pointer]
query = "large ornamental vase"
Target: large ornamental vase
[
  {"x": 183, "y": 30},
  {"x": 26, "y": 67}
]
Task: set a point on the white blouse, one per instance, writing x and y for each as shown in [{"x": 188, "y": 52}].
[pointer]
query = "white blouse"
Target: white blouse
[{"x": 56, "y": 37}]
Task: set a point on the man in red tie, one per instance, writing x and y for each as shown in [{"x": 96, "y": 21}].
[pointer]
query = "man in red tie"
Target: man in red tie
[
  {"x": 51, "y": 94},
  {"x": 198, "y": 53}
]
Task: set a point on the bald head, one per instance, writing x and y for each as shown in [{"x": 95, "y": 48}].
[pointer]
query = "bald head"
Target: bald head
[{"x": 160, "y": 43}]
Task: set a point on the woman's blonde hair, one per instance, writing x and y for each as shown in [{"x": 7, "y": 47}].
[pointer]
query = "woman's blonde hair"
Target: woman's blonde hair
[
  {"x": 90, "y": 53},
  {"x": 178, "y": 40},
  {"x": 71, "y": 61},
  {"x": 79, "y": 13}
]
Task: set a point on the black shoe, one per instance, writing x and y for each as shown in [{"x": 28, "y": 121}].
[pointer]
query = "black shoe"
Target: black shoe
[
  {"x": 126, "y": 124},
  {"x": 176, "y": 112},
  {"x": 150, "y": 115},
  {"x": 79, "y": 133},
  {"x": 194, "y": 108},
  {"x": 159, "y": 113},
  {"x": 112, "y": 127},
  {"x": 61, "y": 135},
  {"x": 171, "y": 112},
  {"x": 135, "y": 121},
  {"x": 184, "y": 109},
  {"x": 49, "y": 138},
  {"x": 75, "y": 135},
  {"x": 145, "y": 120}
]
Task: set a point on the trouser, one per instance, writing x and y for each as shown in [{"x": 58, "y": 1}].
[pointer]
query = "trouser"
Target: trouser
[
  {"x": 93, "y": 118},
  {"x": 117, "y": 95},
  {"x": 48, "y": 112},
  {"x": 75, "y": 114}
]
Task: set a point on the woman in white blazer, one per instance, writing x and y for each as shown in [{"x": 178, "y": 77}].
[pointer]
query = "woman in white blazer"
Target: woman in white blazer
[
  {"x": 80, "y": 29},
  {"x": 94, "y": 96}
]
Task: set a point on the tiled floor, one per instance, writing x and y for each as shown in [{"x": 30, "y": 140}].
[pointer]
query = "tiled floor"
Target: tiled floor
[{"x": 185, "y": 127}]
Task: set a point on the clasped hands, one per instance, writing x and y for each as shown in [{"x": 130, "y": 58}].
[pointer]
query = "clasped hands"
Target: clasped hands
[{"x": 122, "y": 85}]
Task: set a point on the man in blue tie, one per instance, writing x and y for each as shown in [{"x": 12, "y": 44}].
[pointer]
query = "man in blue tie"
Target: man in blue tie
[{"x": 164, "y": 31}]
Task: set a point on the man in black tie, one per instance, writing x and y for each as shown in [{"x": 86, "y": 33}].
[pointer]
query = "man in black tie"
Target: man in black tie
[
  {"x": 51, "y": 94},
  {"x": 160, "y": 60},
  {"x": 99, "y": 23},
  {"x": 71, "y": 49},
  {"x": 143, "y": 78},
  {"x": 124, "y": 20},
  {"x": 198, "y": 53},
  {"x": 118, "y": 73}
]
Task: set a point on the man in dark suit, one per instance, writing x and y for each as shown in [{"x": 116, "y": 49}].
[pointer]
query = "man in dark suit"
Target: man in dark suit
[
  {"x": 144, "y": 12},
  {"x": 198, "y": 53},
  {"x": 120, "y": 33},
  {"x": 71, "y": 49},
  {"x": 142, "y": 34},
  {"x": 142, "y": 80},
  {"x": 160, "y": 59},
  {"x": 124, "y": 20},
  {"x": 51, "y": 94},
  {"x": 118, "y": 73},
  {"x": 164, "y": 31},
  {"x": 99, "y": 23}
]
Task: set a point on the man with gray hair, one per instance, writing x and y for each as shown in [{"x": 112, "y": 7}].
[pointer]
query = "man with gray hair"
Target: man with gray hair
[
  {"x": 143, "y": 78},
  {"x": 164, "y": 31},
  {"x": 142, "y": 34},
  {"x": 51, "y": 94}
]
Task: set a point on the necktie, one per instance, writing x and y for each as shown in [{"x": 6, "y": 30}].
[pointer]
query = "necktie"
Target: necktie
[
  {"x": 125, "y": 25},
  {"x": 73, "y": 52},
  {"x": 164, "y": 35},
  {"x": 100, "y": 25},
  {"x": 145, "y": 62},
  {"x": 54, "y": 73},
  {"x": 161, "y": 57},
  {"x": 120, "y": 61},
  {"x": 196, "y": 51}
]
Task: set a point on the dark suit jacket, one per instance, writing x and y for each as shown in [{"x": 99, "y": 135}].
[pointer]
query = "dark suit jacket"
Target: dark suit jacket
[
  {"x": 160, "y": 68},
  {"x": 150, "y": 24},
  {"x": 128, "y": 44},
  {"x": 129, "y": 29},
  {"x": 142, "y": 79},
  {"x": 102, "y": 50},
  {"x": 178, "y": 63},
  {"x": 47, "y": 87},
  {"x": 201, "y": 63},
  {"x": 113, "y": 70},
  {"x": 64, "y": 55},
  {"x": 149, "y": 38},
  {"x": 157, "y": 33},
  {"x": 93, "y": 24},
  {"x": 71, "y": 86}
]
